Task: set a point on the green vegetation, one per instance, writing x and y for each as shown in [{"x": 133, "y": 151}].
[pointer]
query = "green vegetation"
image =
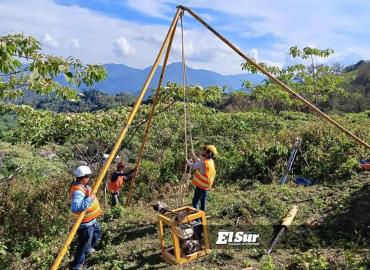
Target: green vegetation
[
  {"x": 254, "y": 132},
  {"x": 89, "y": 101}
]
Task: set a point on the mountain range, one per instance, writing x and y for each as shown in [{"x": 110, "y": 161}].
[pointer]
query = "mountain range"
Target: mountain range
[{"x": 122, "y": 78}]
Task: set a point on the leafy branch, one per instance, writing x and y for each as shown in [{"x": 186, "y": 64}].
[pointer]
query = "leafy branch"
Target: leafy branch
[{"x": 24, "y": 67}]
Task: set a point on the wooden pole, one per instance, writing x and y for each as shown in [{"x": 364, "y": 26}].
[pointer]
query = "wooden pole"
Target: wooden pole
[
  {"x": 119, "y": 140},
  {"x": 277, "y": 81}
]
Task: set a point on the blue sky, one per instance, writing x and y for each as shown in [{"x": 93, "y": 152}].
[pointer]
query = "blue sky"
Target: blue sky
[{"x": 131, "y": 31}]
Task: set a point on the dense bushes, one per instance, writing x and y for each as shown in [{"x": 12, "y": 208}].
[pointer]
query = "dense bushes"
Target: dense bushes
[
  {"x": 33, "y": 208},
  {"x": 254, "y": 146}
]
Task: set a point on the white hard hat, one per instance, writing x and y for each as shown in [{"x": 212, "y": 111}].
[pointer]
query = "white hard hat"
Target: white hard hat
[{"x": 82, "y": 171}]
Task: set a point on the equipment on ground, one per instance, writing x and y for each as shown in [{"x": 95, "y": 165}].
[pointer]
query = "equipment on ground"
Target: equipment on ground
[
  {"x": 162, "y": 208},
  {"x": 303, "y": 181},
  {"x": 283, "y": 227},
  {"x": 365, "y": 165},
  {"x": 296, "y": 147},
  {"x": 188, "y": 227}
]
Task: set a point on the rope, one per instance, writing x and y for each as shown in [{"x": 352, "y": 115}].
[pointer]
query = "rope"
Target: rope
[
  {"x": 187, "y": 121},
  {"x": 184, "y": 86}
]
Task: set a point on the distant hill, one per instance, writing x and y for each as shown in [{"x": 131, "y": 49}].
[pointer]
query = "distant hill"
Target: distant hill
[
  {"x": 122, "y": 78},
  {"x": 356, "y": 66},
  {"x": 358, "y": 77},
  {"x": 357, "y": 83}
]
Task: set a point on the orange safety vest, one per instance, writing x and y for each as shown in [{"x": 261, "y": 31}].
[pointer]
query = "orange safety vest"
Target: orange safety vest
[
  {"x": 116, "y": 186},
  {"x": 205, "y": 181},
  {"x": 366, "y": 166},
  {"x": 93, "y": 211}
]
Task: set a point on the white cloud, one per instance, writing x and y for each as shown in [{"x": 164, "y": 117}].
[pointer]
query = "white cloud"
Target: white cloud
[
  {"x": 49, "y": 41},
  {"x": 150, "y": 7},
  {"x": 122, "y": 47},
  {"x": 88, "y": 33},
  {"x": 327, "y": 24},
  {"x": 95, "y": 37},
  {"x": 73, "y": 43},
  {"x": 56, "y": 41}
]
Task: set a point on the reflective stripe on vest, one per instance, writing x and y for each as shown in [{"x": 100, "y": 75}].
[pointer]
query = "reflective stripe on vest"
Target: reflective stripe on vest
[
  {"x": 93, "y": 211},
  {"x": 205, "y": 181}
]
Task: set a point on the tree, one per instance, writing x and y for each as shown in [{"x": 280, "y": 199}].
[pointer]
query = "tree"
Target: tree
[
  {"x": 316, "y": 82},
  {"x": 319, "y": 82},
  {"x": 195, "y": 93},
  {"x": 23, "y": 67},
  {"x": 237, "y": 101},
  {"x": 268, "y": 92}
]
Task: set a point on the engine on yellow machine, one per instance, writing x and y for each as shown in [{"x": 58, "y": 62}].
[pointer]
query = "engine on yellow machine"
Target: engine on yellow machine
[
  {"x": 191, "y": 236},
  {"x": 188, "y": 227}
]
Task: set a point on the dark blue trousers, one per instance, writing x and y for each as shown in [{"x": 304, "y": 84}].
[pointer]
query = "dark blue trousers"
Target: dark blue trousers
[
  {"x": 115, "y": 198},
  {"x": 88, "y": 237},
  {"x": 200, "y": 195}
]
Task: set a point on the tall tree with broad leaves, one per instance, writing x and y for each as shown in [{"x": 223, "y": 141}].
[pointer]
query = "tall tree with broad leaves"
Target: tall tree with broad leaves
[
  {"x": 316, "y": 82},
  {"x": 23, "y": 67}
]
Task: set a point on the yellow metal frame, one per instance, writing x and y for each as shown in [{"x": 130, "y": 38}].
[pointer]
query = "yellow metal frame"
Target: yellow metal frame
[{"x": 173, "y": 254}]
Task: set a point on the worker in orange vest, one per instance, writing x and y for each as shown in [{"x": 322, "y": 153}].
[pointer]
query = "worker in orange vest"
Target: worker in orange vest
[
  {"x": 205, "y": 173},
  {"x": 89, "y": 231},
  {"x": 117, "y": 180}
]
